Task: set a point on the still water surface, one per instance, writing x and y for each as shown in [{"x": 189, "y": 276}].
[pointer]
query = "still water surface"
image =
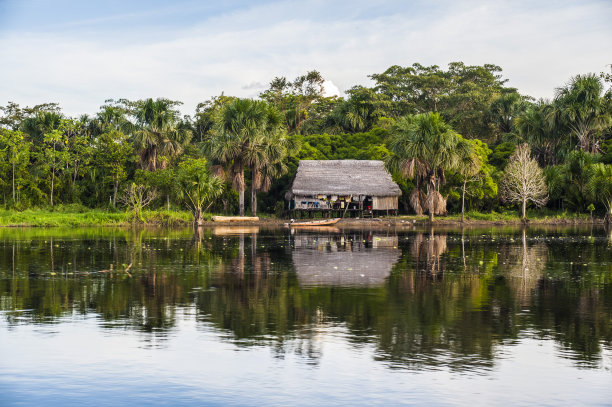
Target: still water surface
[{"x": 242, "y": 316}]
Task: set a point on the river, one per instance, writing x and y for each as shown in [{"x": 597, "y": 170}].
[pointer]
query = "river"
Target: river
[{"x": 250, "y": 316}]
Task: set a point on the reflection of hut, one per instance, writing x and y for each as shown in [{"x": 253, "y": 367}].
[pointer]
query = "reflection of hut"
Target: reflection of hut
[
  {"x": 357, "y": 186},
  {"x": 343, "y": 260}
]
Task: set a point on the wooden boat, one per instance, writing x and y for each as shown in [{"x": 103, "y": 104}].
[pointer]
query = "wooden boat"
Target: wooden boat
[
  {"x": 235, "y": 218},
  {"x": 324, "y": 222},
  {"x": 320, "y": 229}
]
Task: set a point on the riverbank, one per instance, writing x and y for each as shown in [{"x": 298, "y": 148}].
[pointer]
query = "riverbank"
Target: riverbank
[
  {"x": 93, "y": 217},
  {"x": 81, "y": 218}
]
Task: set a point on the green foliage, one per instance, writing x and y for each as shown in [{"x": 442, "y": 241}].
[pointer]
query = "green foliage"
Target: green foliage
[
  {"x": 501, "y": 154},
  {"x": 569, "y": 182},
  {"x": 476, "y": 175},
  {"x": 296, "y": 99},
  {"x": 356, "y": 146},
  {"x": 14, "y": 163},
  {"x": 111, "y": 154},
  {"x": 47, "y": 158},
  {"x": 196, "y": 188},
  {"x": 600, "y": 185},
  {"x": 424, "y": 147},
  {"x": 584, "y": 110}
]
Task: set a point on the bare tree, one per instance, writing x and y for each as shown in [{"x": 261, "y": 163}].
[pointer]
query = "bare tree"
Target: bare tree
[{"x": 523, "y": 180}]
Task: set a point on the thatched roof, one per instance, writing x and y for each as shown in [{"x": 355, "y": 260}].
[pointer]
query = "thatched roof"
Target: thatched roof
[{"x": 344, "y": 177}]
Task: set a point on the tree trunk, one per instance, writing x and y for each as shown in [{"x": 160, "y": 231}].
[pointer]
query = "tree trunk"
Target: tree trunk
[
  {"x": 116, "y": 187},
  {"x": 197, "y": 217},
  {"x": 168, "y": 202},
  {"x": 524, "y": 216},
  {"x": 241, "y": 194},
  {"x": 463, "y": 248},
  {"x": 430, "y": 202},
  {"x": 253, "y": 200},
  {"x": 13, "y": 179},
  {"x": 241, "y": 201},
  {"x": 52, "y": 185},
  {"x": 463, "y": 201}
]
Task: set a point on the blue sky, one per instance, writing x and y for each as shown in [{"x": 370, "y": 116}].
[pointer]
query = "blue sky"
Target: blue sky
[{"x": 79, "y": 53}]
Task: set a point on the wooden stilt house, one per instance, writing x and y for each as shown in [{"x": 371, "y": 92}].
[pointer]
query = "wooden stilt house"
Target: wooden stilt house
[{"x": 334, "y": 187}]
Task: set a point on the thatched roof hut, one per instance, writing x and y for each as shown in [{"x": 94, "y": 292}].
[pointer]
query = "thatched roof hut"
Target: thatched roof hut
[
  {"x": 344, "y": 177},
  {"x": 357, "y": 179}
]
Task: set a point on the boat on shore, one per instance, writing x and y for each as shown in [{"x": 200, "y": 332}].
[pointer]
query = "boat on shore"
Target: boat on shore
[
  {"x": 324, "y": 222},
  {"x": 235, "y": 218}
]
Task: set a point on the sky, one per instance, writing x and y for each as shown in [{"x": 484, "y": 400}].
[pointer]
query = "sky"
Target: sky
[{"x": 81, "y": 53}]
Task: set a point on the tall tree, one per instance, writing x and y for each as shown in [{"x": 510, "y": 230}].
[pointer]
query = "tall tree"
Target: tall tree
[
  {"x": 503, "y": 113},
  {"x": 295, "y": 98},
  {"x": 15, "y": 152},
  {"x": 53, "y": 157},
  {"x": 268, "y": 153},
  {"x": 41, "y": 122},
  {"x": 247, "y": 134},
  {"x": 111, "y": 154},
  {"x": 468, "y": 166},
  {"x": 14, "y": 116},
  {"x": 540, "y": 127},
  {"x": 237, "y": 125},
  {"x": 600, "y": 187},
  {"x": 583, "y": 108},
  {"x": 160, "y": 135},
  {"x": 425, "y": 146}
]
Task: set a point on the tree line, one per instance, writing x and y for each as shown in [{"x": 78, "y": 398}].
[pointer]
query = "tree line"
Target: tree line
[{"x": 454, "y": 138}]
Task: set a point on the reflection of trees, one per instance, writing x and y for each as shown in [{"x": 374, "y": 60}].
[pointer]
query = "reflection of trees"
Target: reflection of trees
[
  {"x": 524, "y": 266},
  {"x": 426, "y": 252},
  {"x": 245, "y": 285}
]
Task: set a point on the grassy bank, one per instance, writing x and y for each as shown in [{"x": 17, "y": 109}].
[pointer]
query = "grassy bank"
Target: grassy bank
[
  {"x": 511, "y": 216},
  {"x": 93, "y": 217},
  {"x": 68, "y": 217}
]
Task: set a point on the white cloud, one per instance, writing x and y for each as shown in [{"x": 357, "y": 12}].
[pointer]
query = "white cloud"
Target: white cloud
[
  {"x": 329, "y": 89},
  {"x": 236, "y": 53}
]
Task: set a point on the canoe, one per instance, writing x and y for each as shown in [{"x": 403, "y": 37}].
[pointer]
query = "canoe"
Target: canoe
[
  {"x": 235, "y": 218},
  {"x": 324, "y": 222},
  {"x": 320, "y": 229}
]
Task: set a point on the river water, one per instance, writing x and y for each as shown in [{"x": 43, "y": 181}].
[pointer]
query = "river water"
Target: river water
[{"x": 248, "y": 316}]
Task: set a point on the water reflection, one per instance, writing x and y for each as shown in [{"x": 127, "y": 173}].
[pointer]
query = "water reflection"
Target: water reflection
[
  {"x": 423, "y": 299},
  {"x": 343, "y": 259}
]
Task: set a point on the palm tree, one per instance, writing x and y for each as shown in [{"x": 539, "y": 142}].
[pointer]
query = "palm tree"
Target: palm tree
[
  {"x": 267, "y": 153},
  {"x": 583, "y": 109},
  {"x": 600, "y": 187},
  {"x": 504, "y": 110},
  {"x": 425, "y": 146},
  {"x": 541, "y": 126},
  {"x": 468, "y": 167},
  {"x": 196, "y": 187},
  {"x": 43, "y": 122},
  {"x": 160, "y": 135},
  {"x": 110, "y": 117},
  {"x": 237, "y": 129}
]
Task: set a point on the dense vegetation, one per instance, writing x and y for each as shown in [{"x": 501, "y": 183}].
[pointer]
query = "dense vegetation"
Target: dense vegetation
[{"x": 446, "y": 134}]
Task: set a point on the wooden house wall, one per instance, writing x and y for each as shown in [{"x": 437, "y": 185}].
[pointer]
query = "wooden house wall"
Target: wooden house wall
[{"x": 381, "y": 203}]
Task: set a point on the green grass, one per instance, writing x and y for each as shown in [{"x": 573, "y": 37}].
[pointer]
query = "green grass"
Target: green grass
[
  {"x": 91, "y": 217},
  {"x": 534, "y": 214},
  {"x": 72, "y": 216}
]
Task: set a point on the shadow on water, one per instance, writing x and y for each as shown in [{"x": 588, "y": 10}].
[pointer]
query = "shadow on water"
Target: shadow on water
[{"x": 422, "y": 298}]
